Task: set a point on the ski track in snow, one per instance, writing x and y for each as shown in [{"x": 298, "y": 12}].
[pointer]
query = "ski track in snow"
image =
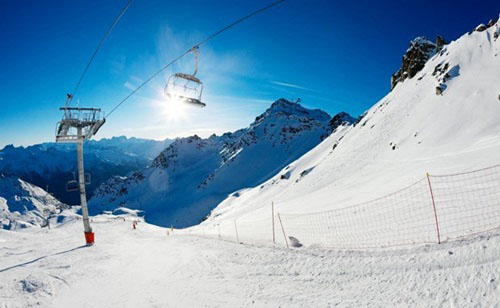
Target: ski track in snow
[{"x": 147, "y": 268}]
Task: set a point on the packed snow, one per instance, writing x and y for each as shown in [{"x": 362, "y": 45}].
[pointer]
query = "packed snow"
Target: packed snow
[{"x": 146, "y": 267}]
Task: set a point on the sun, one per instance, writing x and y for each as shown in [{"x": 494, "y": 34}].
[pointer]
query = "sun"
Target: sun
[
  {"x": 174, "y": 108},
  {"x": 170, "y": 107}
]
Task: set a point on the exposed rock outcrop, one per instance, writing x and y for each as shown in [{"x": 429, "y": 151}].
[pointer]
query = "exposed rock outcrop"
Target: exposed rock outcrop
[
  {"x": 417, "y": 54},
  {"x": 341, "y": 118}
]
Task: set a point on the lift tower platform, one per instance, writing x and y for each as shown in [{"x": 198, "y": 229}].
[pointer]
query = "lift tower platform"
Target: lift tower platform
[{"x": 77, "y": 125}]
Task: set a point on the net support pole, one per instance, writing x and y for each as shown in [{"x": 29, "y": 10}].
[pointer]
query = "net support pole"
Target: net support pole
[
  {"x": 434, "y": 207},
  {"x": 283, "y": 229},
  {"x": 236, "y": 230},
  {"x": 272, "y": 219}
]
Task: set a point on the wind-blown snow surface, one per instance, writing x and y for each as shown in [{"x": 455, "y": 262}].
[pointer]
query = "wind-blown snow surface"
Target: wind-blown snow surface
[
  {"x": 192, "y": 175},
  {"x": 147, "y": 268},
  {"x": 411, "y": 131}
]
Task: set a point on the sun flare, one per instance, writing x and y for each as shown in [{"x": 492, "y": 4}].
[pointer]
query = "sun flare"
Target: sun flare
[{"x": 170, "y": 107}]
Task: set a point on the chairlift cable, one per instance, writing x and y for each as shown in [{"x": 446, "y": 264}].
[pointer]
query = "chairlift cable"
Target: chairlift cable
[
  {"x": 238, "y": 21},
  {"x": 117, "y": 19},
  {"x": 195, "y": 47},
  {"x": 147, "y": 81}
]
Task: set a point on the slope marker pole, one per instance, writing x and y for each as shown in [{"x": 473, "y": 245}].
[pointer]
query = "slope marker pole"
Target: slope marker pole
[
  {"x": 282, "y": 229},
  {"x": 236, "y": 229},
  {"x": 434, "y": 207},
  {"x": 272, "y": 218}
]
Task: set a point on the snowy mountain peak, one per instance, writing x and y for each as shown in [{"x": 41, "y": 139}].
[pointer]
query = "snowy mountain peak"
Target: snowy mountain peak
[
  {"x": 283, "y": 107},
  {"x": 420, "y": 50},
  {"x": 421, "y": 43},
  {"x": 341, "y": 118}
]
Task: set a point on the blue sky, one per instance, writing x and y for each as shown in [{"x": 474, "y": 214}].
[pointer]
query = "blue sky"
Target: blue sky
[{"x": 335, "y": 55}]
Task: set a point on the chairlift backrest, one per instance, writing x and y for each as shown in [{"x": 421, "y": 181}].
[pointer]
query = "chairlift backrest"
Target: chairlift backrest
[
  {"x": 72, "y": 186},
  {"x": 186, "y": 88}
]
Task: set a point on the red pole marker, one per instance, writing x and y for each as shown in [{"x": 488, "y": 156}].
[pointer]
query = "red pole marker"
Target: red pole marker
[
  {"x": 133, "y": 225},
  {"x": 89, "y": 238}
]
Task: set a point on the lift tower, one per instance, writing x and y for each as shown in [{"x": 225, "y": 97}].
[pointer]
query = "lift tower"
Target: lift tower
[{"x": 77, "y": 125}]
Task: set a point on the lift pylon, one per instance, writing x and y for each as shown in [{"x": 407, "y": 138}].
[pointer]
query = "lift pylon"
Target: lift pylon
[{"x": 77, "y": 125}]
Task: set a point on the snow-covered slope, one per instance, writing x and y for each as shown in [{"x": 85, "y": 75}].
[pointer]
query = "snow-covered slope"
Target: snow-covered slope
[
  {"x": 24, "y": 205},
  {"x": 443, "y": 120},
  {"x": 146, "y": 268},
  {"x": 51, "y": 164},
  {"x": 190, "y": 177}
]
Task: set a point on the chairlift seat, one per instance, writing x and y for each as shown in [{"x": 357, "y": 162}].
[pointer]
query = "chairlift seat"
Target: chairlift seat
[
  {"x": 188, "y": 77},
  {"x": 72, "y": 186},
  {"x": 189, "y": 100},
  {"x": 186, "y": 88}
]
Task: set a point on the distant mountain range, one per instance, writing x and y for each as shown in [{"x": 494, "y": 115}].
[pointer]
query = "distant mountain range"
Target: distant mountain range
[{"x": 51, "y": 165}]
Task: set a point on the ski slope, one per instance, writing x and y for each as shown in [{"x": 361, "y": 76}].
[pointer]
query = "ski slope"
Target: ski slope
[
  {"x": 147, "y": 268},
  {"x": 411, "y": 131}
]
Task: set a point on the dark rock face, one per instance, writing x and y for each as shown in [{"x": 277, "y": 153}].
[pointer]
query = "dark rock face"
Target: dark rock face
[
  {"x": 341, "y": 118},
  {"x": 440, "y": 42},
  {"x": 443, "y": 73},
  {"x": 481, "y": 28},
  {"x": 439, "y": 90},
  {"x": 417, "y": 54}
]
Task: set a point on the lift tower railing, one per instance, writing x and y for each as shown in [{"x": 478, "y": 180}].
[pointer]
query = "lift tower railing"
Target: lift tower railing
[{"x": 77, "y": 126}]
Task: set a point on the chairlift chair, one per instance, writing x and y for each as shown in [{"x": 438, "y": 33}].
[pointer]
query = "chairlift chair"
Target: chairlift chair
[
  {"x": 186, "y": 88},
  {"x": 72, "y": 185}
]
